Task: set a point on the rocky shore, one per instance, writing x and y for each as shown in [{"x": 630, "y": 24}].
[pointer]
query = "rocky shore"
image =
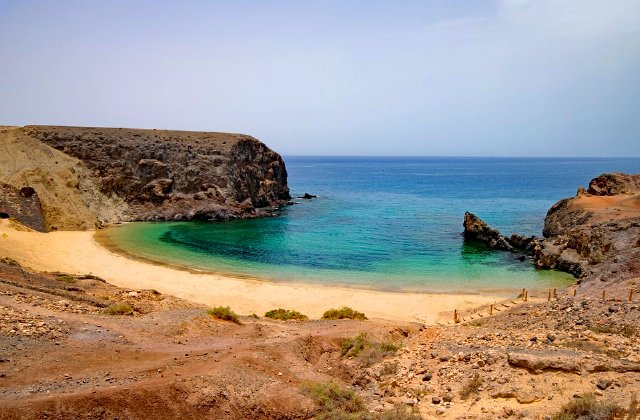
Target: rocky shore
[
  {"x": 88, "y": 177},
  {"x": 595, "y": 235}
]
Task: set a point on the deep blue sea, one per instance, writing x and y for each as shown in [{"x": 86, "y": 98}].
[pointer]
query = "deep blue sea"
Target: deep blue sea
[{"x": 384, "y": 223}]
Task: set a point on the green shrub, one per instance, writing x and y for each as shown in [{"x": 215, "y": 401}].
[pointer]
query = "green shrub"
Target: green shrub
[
  {"x": 285, "y": 315},
  {"x": 587, "y": 407},
  {"x": 343, "y": 313},
  {"x": 351, "y": 347},
  {"x": 330, "y": 397},
  {"x": 365, "y": 351},
  {"x": 119, "y": 309},
  {"x": 66, "y": 278},
  {"x": 400, "y": 412},
  {"x": 224, "y": 313}
]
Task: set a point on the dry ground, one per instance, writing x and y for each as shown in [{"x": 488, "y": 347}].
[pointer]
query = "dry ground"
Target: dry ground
[{"x": 62, "y": 357}]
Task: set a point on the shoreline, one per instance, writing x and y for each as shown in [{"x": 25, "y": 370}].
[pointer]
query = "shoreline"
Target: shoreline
[
  {"x": 78, "y": 252},
  {"x": 101, "y": 237}
]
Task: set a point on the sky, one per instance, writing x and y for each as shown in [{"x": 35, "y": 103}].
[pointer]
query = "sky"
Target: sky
[{"x": 400, "y": 78}]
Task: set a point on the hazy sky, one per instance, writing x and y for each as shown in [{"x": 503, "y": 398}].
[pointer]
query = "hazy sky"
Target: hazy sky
[{"x": 489, "y": 78}]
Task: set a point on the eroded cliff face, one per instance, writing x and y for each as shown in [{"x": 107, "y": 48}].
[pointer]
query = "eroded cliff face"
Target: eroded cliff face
[
  {"x": 97, "y": 176},
  {"x": 597, "y": 233},
  {"x": 594, "y": 236}
]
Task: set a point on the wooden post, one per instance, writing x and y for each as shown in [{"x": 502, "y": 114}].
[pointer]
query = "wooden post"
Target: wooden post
[
  {"x": 549, "y": 298},
  {"x": 526, "y": 295},
  {"x": 603, "y": 294},
  {"x": 455, "y": 316},
  {"x": 491, "y": 310},
  {"x": 555, "y": 292},
  {"x": 574, "y": 292},
  {"x": 522, "y": 294},
  {"x": 630, "y": 295}
]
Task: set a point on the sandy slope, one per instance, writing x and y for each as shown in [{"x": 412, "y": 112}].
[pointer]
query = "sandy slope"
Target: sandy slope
[{"x": 78, "y": 252}]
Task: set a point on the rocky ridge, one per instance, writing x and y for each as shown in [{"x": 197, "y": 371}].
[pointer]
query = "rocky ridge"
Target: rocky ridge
[{"x": 89, "y": 177}]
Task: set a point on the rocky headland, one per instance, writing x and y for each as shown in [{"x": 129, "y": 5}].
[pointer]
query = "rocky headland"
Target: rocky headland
[
  {"x": 86, "y": 177},
  {"x": 595, "y": 235}
]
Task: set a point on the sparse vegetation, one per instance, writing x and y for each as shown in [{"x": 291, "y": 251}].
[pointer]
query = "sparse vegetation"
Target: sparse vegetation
[
  {"x": 343, "y": 313},
  {"x": 471, "y": 387},
  {"x": 400, "y": 412},
  {"x": 584, "y": 346},
  {"x": 66, "y": 278},
  {"x": 625, "y": 330},
  {"x": 224, "y": 313},
  {"x": 353, "y": 347},
  {"x": 365, "y": 351},
  {"x": 390, "y": 368},
  {"x": 285, "y": 315},
  {"x": 334, "y": 401},
  {"x": 119, "y": 309},
  {"x": 587, "y": 407}
]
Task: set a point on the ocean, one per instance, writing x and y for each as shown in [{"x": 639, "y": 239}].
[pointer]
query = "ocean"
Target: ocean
[{"x": 387, "y": 223}]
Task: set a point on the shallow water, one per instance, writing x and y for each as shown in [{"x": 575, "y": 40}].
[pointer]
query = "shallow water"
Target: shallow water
[{"x": 384, "y": 223}]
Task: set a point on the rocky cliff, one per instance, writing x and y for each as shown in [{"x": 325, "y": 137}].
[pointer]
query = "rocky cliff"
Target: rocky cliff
[
  {"x": 594, "y": 235},
  {"x": 88, "y": 177}
]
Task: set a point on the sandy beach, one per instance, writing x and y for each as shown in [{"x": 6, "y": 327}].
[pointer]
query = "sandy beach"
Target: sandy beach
[{"x": 77, "y": 252}]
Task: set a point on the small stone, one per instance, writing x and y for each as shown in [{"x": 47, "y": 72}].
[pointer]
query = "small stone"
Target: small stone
[
  {"x": 436, "y": 400},
  {"x": 551, "y": 337},
  {"x": 447, "y": 397},
  {"x": 533, "y": 339},
  {"x": 603, "y": 384},
  {"x": 440, "y": 411},
  {"x": 613, "y": 309},
  {"x": 426, "y": 377}
]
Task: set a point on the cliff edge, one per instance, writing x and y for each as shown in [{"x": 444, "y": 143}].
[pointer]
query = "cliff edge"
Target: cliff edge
[{"x": 88, "y": 177}]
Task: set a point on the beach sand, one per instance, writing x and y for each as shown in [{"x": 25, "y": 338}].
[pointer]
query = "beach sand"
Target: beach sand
[{"x": 77, "y": 252}]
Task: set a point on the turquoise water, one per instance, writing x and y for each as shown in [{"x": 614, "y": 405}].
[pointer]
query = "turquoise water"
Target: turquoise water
[{"x": 383, "y": 223}]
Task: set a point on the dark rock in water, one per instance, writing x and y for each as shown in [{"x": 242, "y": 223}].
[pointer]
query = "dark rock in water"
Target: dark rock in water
[
  {"x": 521, "y": 258},
  {"x": 308, "y": 196},
  {"x": 476, "y": 229},
  {"x": 21, "y": 204}
]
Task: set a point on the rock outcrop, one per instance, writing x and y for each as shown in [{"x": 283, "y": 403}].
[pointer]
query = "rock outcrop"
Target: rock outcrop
[
  {"x": 476, "y": 229},
  {"x": 89, "y": 177},
  {"x": 22, "y": 205},
  {"x": 595, "y": 235},
  {"x": 614, "y": 184}
]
